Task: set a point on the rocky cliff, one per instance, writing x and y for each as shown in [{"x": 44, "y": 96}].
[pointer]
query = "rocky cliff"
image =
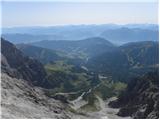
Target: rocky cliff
[
  {"x": 141, "y": 98},
  {"x": 21, "y": 100},
  {"x": 17, "y": 65},
  {"x": 23, "y": 83}
]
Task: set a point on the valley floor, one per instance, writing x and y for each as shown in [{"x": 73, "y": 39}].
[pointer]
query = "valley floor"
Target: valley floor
[{"x": 20, "y": 100}]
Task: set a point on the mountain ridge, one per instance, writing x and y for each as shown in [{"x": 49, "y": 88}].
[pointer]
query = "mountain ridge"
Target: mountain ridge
[
  {"x": 115, "y": 33},
  {"x": 87, "y": 47},
  {"x": 42, "y": 54},
  {"x": 132, "y": 57}
]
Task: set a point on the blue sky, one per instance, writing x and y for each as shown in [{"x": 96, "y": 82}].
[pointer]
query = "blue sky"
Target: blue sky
[{"x": 79, "y": 12}]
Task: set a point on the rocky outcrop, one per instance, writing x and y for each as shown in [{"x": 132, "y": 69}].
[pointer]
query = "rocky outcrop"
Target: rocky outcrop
[
  {"x": 20, "y": 100},
  {"x": 17, "y": 65},
  {"x": 141, "y": 98}
]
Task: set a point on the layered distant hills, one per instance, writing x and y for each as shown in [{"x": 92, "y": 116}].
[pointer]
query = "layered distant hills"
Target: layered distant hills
[
  {"x": 124, "y": 35},
  {"x": 117, "y": 34}
]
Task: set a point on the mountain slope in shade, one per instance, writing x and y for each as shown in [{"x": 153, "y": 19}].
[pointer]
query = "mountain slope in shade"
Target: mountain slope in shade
[
  {"x": 87, "y": 47},
  {"x": 141, "y": 53},
  {"x": 127, "y": 61},
  {"x": 41, "y": 54},
  {"x": 141, "y": 98},
  {"x": 17, "y": 65}
]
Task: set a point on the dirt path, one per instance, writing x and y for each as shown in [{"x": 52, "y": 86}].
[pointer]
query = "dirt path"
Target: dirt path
[
  {"x": 106, "y": 112},
  {"x": 79, "y": 102}
]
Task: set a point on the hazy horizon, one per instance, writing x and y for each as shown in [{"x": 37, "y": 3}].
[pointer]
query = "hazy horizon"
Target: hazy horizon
[
  {"x": 67, "y": 25},
  {"x": 20, "y": 14}
]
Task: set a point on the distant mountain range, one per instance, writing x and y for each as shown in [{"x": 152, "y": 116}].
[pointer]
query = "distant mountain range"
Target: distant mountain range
[
  {"x": 124, "y": 35},
  {"x": 117, "y": 34}
]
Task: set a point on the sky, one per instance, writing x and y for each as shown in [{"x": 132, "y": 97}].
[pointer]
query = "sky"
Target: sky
[{"x": 60, "y": 12}]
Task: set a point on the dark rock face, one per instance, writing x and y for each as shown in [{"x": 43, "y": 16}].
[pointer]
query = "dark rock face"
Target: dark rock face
[
  {"x": 60, "y": 97},
  {"x": 141, "y": 98},
  {"x": 17, "y": 65}
]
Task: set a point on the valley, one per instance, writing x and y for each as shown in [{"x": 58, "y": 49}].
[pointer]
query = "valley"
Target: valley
[{"x": 86, "y": 78}]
